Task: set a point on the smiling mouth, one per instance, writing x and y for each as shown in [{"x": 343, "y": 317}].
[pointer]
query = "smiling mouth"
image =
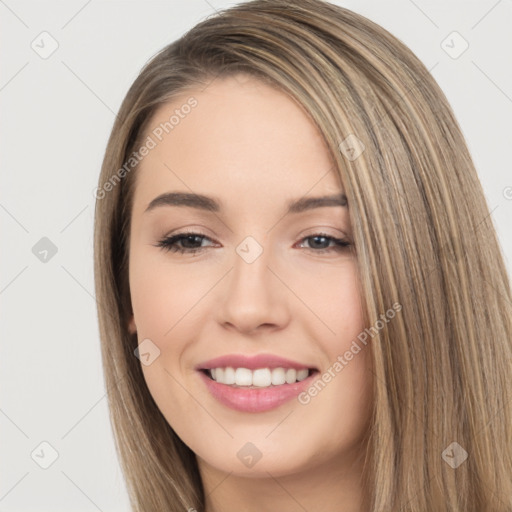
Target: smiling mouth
[{"x": 259, "y": 378}]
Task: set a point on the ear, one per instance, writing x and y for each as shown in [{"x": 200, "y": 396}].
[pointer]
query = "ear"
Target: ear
[{"x": 132, "y": 327}]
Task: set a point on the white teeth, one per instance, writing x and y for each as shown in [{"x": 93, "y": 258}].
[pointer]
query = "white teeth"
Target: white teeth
[
  {"x": 302, "y": 374},
  {"x": 291, "y": 376},
  {"x": 261, "y": 378},
  {"x": 229, "y": 375},
  {"x": 278, "y": 377},
  {"x": 243, "y": 377}
]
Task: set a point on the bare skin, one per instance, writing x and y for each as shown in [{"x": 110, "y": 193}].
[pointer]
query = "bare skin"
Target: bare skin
[{"x": 252, "y": 148}]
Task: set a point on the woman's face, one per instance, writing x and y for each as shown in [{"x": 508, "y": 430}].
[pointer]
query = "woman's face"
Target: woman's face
[{"x": 270, "y": 294}]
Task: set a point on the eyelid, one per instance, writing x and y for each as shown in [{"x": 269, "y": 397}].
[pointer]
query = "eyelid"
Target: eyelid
[
  {"x": 324, "y": 229},
  {"x": 171, "y": 242},
  {"x": 315, "y": 231}
]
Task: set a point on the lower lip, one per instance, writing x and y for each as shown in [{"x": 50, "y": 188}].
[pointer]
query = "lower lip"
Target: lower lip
[{"x": 254, "y": 399}]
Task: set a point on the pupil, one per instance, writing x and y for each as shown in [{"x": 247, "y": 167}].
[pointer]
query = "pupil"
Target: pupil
[
  {"x": 317, "y": 238},
  {"x": 190, "y": 238}
]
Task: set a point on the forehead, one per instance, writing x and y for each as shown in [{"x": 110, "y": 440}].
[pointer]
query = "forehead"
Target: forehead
[{"x": 241, "y": 137}]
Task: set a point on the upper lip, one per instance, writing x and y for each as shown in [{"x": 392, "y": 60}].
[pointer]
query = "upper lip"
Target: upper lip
[{"x": 251, "y": 362}]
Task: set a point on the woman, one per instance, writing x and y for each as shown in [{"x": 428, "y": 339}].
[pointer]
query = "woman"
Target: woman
[{"x": 303, "y": 304}]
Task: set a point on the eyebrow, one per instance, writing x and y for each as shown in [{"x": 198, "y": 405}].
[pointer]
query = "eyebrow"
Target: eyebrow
[{"x": 202, "y": 202}]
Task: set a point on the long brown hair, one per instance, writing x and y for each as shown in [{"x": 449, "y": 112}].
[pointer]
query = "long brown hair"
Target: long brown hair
[{"x": 423, "y": 237}]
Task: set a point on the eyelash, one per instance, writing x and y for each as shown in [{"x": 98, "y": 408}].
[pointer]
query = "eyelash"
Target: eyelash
[{"x": 169, "y": 244}]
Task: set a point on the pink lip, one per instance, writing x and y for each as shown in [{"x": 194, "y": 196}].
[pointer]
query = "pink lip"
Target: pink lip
[
  {"x": 251, "y": 362},
  {"x": 253, "y": 399}
]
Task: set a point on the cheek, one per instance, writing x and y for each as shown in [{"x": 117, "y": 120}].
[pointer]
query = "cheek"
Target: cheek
[
  {"x": 344, "y": 395},
  {"x": 163, "y": 308},
  {"x": 164, "y": 297},
  {"x": 334, "y": 296},
  {"x": 166, "y": 305}
]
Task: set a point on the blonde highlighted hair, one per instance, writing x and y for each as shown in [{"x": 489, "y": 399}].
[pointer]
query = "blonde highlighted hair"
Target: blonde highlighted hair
[{"x": 422, "y": 234}]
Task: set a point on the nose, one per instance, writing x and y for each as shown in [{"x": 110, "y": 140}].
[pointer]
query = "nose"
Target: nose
[{"x": 254, "y": 297}]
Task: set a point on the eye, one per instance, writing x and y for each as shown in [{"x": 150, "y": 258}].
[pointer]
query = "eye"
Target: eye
[
  {"x": 322, "y": 239},
  {"x": 191, "y": 243}
]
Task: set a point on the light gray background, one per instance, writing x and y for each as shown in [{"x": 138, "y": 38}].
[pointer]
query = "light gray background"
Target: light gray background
[{"x": 55, "y": 120}]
